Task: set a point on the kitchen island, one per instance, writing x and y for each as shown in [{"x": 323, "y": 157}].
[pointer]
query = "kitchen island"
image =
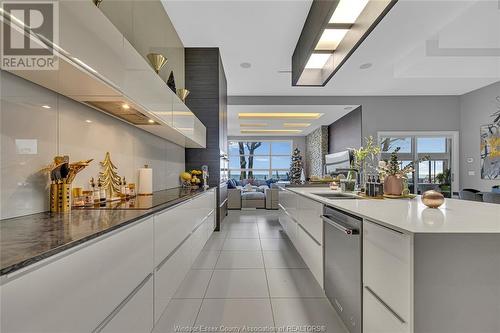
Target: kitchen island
[{"x": 422, "y": 270}]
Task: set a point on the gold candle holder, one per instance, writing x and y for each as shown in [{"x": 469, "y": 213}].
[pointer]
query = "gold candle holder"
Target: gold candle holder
[
  {"x": 157, "y": 61},
  {"x": 183, "y": 94}
]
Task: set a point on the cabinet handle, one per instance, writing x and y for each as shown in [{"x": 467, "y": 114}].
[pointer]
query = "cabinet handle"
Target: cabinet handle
[
  {"x": 394, "y": 313},
  {"x": 338, "y": 226},
  {"x": 120, "y": 306}
]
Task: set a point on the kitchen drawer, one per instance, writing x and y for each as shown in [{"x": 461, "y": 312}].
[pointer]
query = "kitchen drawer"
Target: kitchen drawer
[
  {"x": 377, "y": 318},
  {"x": 288, "y": 224},
  {"x": 309, "y": 216},
  {"x": 85, "y": 284},
  {"x": 171, "y": 227},
  {"x": 387, "y": 266},
  {"x": 311, "y": 252},
  {"x": 169, "y": 275},
  {"x": 136, "y": 313}
]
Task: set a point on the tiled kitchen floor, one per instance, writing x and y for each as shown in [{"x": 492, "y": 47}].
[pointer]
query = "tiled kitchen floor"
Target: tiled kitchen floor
[{"x": 249, "y": 274}]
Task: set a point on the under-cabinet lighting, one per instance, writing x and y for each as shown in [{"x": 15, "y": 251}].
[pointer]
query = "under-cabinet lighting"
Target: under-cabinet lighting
[
  {"x": 317, "y": 60},
  {"x": 348, "y": 11},
  {"x": 125, "y": 106},
  {"x": 151, "y": 121},
  {"x": 46, "y": 106},
  {"x": 330, "y": 39},
  {"x": 281, "y": 131},
  {"x": 279, "y": 115},
  {"x": 88, "y": 121}
]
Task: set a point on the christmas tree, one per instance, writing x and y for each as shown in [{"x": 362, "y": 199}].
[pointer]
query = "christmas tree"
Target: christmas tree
[
  {"x": 296, "y": 167},
  {"x": 109, "y": 177}
]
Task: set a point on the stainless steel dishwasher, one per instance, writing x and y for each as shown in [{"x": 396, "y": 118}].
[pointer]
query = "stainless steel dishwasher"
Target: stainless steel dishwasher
[{"x": 342, "y": 280}]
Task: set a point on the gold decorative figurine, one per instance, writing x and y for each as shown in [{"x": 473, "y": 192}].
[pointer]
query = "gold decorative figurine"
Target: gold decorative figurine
[{"x": 109, "y": 178}]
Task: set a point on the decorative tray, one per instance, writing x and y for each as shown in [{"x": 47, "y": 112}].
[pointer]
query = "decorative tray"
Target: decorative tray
[{"x": 408, "y": 196}]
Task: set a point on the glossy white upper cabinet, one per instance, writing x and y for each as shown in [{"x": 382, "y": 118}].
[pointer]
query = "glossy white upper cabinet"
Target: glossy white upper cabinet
[{"x": 97, "y": 64}]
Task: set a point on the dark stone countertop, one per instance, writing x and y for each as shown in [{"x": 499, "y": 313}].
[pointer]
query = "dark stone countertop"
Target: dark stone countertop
[{"x": 27, "y": 239}]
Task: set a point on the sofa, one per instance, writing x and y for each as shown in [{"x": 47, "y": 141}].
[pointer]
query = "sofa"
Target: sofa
[{"x": 251, "y": 194}]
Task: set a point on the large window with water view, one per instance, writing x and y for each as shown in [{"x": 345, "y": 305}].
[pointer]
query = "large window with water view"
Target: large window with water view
[{"x": 259, "y": 159}]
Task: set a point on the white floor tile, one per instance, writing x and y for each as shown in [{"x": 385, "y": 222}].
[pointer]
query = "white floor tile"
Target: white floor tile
[
  {"x": 283, "y": 259},
  {"x": 179, "y": 312},
  {"x": 241, "y": 226},
  {"x": 235, "y": 313},
  {"x": 293, "y": 283},
  {"x": 219, "y": 234},
  {"x": 279, "y": 244},
  {"x": 253, "y": 233},
  {"x": 206, "y": 260},
  {"x": 241, "y": 244},
  {"x": 246, "y": 283},
  {"x": 195, "y": 284},
  {"x": 240, "y": 259},
  {"x": 307, "y": 311},
  {"x": 214, "y": 244}
]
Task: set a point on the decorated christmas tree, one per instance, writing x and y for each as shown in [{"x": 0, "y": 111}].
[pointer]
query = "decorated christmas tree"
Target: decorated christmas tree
[
  {"x": 109, "y": 177},
  {"x": 296, "y": 167}
]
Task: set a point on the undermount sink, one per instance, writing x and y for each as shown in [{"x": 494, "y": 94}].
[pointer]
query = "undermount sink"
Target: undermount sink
[{"x": 337, "y": 195}]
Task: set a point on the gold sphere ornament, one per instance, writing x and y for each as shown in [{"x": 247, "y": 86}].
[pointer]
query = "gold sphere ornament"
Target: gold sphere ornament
[{"x": 432, "y": 199}]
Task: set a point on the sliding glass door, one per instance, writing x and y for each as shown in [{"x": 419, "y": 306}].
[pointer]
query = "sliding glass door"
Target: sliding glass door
[{"x": 436, "y": 173}]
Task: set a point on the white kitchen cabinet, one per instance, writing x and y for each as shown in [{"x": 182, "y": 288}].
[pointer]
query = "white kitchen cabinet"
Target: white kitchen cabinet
[
  {"x": 311, "y": 252},
  {"x": 378, "y": 318},
  {"x": 79, "y": 288},
  {"x": 169, "y": 275},
  {"x": 387, "y": 266},
  {"x": 135, "y": 314},
  {"x": 309, "y": 216}
]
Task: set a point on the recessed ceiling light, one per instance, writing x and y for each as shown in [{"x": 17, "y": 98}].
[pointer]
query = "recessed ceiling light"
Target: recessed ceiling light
[
  {"x": 46, "y": 106},
  {"x": 245, "y": 65},
  {"x": 347, "y": 11},
  {"x": 331, "y": 38},
  {"x": 151, "y": 121},
  {"x": 366, "y": 65},
  {"x": 279, "y": 115},
  {"x": 253, "y": 125},
  {"x": 296, "y": 124},
  {"x": 281, "y": 131},
  {"x": 125, "y": 106},
  {"x": 88, "y": 121},
  {"x": 317, "y": 60}
]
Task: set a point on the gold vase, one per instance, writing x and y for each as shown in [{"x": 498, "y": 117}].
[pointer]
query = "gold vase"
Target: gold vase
[
  {"x": 157, "y": 61},
  {"x": 183, "y": 94},
  {"x": 393, "y": 185},
  {"x": 432, "y": 199}
]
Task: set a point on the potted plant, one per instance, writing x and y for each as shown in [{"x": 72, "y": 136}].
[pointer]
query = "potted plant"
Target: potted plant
[
  {"x": 444, "y": 180},
  {"x": 361, "y": 157},
  {"x": 394, "y": 176}
]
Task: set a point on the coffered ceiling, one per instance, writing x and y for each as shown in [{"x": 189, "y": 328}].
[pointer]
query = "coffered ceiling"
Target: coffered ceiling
[{"x": 446, "y": 47}]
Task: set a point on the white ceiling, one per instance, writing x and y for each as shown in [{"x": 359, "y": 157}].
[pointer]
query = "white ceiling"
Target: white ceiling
[
  {"x": 405, "y": 62},
  {"x": 330, "y": 114}
]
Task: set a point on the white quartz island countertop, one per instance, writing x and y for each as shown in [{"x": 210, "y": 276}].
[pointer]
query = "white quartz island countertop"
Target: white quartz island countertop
[{"x": 411, "y": 215}]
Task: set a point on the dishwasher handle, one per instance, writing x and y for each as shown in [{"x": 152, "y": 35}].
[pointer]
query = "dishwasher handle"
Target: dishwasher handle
[{"x": 337, "y": 225}]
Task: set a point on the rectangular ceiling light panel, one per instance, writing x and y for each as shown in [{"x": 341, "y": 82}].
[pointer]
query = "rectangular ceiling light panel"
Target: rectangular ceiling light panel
[
  {"x": 330, "y": 39},
  {"x": 253, "y": 125},
  {"x": 348, "y": 11},
  {"x": 303, "y": 125},
  {"x": 279, "y": 115}
]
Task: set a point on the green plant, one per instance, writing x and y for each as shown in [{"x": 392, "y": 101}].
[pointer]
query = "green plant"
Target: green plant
[
  {"x": 444, "y": 178},
  {"x": 362, "y": 155},
  {"x": 392, "y": 167}
]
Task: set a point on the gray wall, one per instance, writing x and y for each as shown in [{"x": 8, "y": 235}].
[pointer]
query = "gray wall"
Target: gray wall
[
  {"x": 345, "y": 132},
  {"x": 476, "y": 109},
  {"x": 68, "y": 128}
]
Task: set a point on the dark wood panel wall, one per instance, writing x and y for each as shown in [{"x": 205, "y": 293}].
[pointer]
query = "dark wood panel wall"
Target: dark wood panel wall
[
  {"x": 345, "y": 132},
  {"x": 206, "y": 80}
]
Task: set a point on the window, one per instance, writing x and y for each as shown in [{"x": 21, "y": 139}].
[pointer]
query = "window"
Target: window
[
  {"x": 259, "y": 159},
  {"x": 431, "y": 174}
]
